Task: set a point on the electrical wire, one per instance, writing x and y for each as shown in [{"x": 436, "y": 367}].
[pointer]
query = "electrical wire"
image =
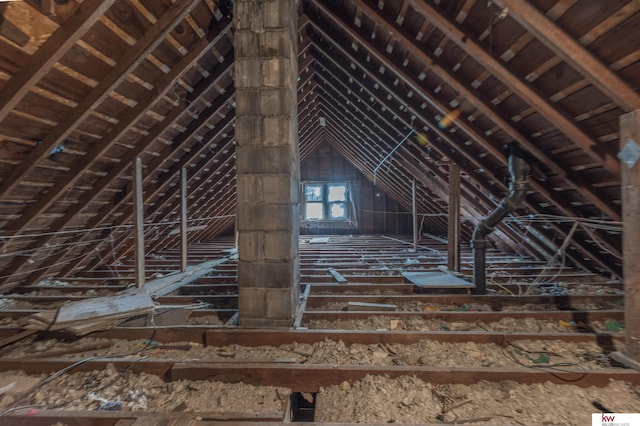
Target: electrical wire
[{"x": 106, "y": 228}]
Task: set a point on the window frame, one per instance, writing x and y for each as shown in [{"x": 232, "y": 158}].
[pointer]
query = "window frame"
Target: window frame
[{"x": 326, "y": 203}]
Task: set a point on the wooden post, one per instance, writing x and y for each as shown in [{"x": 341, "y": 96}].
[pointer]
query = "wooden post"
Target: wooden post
[
  {"x": 414, "y": 208},
  {"x": 138, "y": 221},
  {"x": 630, "y": 174},
  {"x": 183, "y": 219},
  {"x": 453, "y": 247}
]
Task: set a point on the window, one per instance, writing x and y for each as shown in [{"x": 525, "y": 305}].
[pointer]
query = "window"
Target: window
[{"x": 325, "y": 201}]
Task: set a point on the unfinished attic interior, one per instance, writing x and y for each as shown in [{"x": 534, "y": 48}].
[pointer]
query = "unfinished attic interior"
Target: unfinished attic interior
[{"x": 321, "y": 211}]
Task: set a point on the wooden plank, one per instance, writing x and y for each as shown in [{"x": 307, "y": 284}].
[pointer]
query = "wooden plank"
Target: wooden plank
[
  {"x": 310, "y": 378},
  {"x": 337, "y": 276},
  {"x": 436, "y": 279},
  {"x": 360, "y": 287},
  {"x": 18, "y": 385},
  {"x": 251, "y": 338},
  {"x": 141, "y": 418},
  {"x": 319, "y": 240},
  {"x": 165, "y": 285},
  {"x": 494, "y": 301},
  {"x": 302, "y": 306},
  {"x": 159, "y": 367},
  {"x": 221, "y": 336},
  {"x": 17, "y": 337},
  {"x": 96, "y": 309},
  {"x": 472, "y": 316},
  {"x": 364, "y": 306}
]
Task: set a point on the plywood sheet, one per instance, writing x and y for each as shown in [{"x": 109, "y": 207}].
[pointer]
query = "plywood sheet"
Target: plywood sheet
[{"x": 436, "y": 279}]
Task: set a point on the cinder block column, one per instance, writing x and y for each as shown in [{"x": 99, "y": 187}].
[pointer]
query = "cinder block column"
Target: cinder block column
[{"x": 268, "y": 165}]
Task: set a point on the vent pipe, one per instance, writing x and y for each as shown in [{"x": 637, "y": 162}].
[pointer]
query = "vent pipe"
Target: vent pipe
[{"x": 519, "y": 169}]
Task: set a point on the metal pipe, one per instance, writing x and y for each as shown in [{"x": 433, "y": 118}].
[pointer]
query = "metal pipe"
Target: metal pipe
[{"x": 519, "y": 169}]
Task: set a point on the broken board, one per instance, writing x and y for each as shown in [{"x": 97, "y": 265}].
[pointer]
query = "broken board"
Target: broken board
[
  {"x": 319, "y": 240},
  {"x": 100, "y": 313},
  {"x": 436, "y": 279},
  {"x": 363, "y": 306}
]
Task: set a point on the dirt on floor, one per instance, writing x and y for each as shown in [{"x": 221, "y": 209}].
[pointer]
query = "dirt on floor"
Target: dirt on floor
[
  {"x": 374, "y": 399},
  {"x": 510, "y": 325},
  {"x": 377, "y": 399},
  {"x": 574, "y": 357},
  {"x": 110, "y": 389}
]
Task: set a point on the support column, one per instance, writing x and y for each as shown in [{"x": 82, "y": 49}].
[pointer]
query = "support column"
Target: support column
[
  {"x": 183, "y": 220},
  {"x": 268, "y": 166},
  {"x": 453, "y": 263},
  {"x": 138, "y": 221},
  {"x": 630, "y": 174},
  {"x": 414, "y": 214}
]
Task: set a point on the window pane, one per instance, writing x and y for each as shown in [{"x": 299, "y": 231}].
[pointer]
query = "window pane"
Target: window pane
[
  {"x": 337, "y": 211},
  {"x": 313, "y": 211},
  {"x": 337, "y": 193},
  {"x": 313, "y": 192}
]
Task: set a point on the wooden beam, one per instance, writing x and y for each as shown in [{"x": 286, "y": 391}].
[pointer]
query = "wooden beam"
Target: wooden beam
[
  {"x": 183, "y": 219},
  {"x": 252, "y": 338},
  {"x": 469, "y": 316},
  {"x": 138, "y": 221},
  {"x": 58, "y": 44},
  {"x": 311, "y": 377},
  {"x": 572, "y": 52},
  {"x": 149, "y": 418},
  {"x": 630, "y": 141},
  {"x": 453, "y": 246}
]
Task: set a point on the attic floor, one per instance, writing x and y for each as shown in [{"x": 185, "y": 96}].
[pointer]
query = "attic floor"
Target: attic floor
[{"x": 367, "y": 346}]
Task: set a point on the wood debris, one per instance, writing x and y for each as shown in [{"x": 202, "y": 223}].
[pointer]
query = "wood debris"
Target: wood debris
[
  {"x": 363, "y": 306},
  {"x": 86, "y": 316}
]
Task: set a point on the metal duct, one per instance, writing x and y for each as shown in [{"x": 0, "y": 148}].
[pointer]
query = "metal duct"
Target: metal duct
[{"x": 519, "y": 168}]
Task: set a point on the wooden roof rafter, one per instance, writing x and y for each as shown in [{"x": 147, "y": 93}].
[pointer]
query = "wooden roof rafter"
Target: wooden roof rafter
[
  {"x": 401, "y": 158},
  {"x": 602, "y": 264},
  {"x": 471, "y": 158},
  {"x": 488, "y": 109},
  {"x": 120, "y": 71},
  {"x": 207, "y": 84},
  {"x": 213, "y": 136},
  {"x": 572, "y": 52}
]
